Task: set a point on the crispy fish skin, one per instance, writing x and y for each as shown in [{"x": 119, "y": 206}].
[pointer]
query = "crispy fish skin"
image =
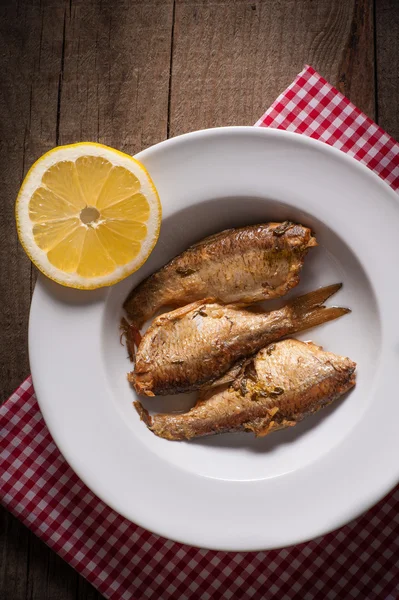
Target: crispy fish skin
[
  {"x": 244, "y": 265},
  {"x": 190, "y": 347},
  {"x": 284, "y": 383}
]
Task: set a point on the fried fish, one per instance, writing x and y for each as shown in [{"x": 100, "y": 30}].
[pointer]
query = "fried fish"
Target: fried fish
[
  {"x": 190, "y": 347},
  {"x": 245, "y": 265},
  {"x": 284, "y": 383}
]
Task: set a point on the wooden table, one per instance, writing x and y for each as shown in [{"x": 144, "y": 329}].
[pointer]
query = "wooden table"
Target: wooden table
[{"x": 130, "y": 73}]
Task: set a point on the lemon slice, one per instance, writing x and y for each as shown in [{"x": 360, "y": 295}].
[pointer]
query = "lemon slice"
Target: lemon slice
[{"x": 88, "y": 215}]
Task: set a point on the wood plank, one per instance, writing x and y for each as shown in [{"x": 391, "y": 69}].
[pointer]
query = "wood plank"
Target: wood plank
[
  {"x": 356, "y": 72},
  {"x": 29, "y": 64},
  {"x": 387, "y": 68},
  {"x": 114, "y": 83},
  {"x": 86, "y": 591},
  {"x": 116, "y": 73},
  {"x": 14, "y": 540},
  {"x": 92, "y": 73},
  {"x": 49, "y": 577},
  {"x": 231, "y": 59}
]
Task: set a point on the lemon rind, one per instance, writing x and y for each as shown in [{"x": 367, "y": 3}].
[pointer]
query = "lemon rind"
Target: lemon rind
[{"x": 31, "y": 183}]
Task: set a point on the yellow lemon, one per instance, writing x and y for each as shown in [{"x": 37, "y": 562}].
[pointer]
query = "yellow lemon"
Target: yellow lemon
[{"x": 88, "y": 215}]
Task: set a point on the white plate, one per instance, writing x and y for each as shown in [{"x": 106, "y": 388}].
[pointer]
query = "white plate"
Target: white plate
[{"x": 234, "y": 492}]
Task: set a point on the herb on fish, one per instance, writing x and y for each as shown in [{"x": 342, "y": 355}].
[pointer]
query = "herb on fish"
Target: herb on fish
[
  {"x": 243, "y": 387},
  {"x": 266, "y": 392},
  {"x": 281, "y": 229},
  {"x": 240, "y": 385},
  {"x": 277, "y": 391},
  {"x": 200, "y": 312},
  {"x": 250, "y": 371},
  {"x": 184, "y": 272},
  {"x": 230, "y": 321},
  {"x": 273, "y": 411}
]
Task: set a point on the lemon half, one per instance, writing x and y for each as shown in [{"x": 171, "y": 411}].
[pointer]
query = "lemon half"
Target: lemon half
[{"x": 88, "y": 215}]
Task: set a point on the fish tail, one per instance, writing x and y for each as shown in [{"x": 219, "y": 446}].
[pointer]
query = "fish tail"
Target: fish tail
[
  {"x": 320, "y": 315},
  {"x": 143, "y": 413},
  {"x": 312, "y": 242},
  {"x": 307, "y": 302},
  {"x": 309, "y": 310}
]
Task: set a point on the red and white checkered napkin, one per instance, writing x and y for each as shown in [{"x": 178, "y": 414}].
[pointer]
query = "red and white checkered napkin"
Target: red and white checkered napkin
[{"x": 126, "y": 562}]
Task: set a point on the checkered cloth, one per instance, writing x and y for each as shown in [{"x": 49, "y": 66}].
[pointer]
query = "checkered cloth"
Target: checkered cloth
[{"x": 122, "y": 560}]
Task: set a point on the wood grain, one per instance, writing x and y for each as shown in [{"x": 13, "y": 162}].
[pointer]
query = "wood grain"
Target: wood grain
[
  {"x": 48, "y": 575},
  {"x": 387, "y": 67},
  {"x": 115, "y": 76},
  {"x": 31, "y": 40},
  {"x": 129, "y": 73},
  {"x": 14, "y": 540},
  {"x": 356, "y": 71},
  {"x": 85, "y": 591},
  {"x": 231, "y": 59},
  {"x": 71, "y": 71}
]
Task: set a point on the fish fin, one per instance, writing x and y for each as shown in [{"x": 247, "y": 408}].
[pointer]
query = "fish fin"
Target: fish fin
[
  {"x": 211, "y": 238},
  {"x": 142, "y": 382},
  {"x": 136, "y": 335},
  {"x": 143, "y": 414},
  {"x": 273, "y": 426},
  {"x": 312, "y": 242},
  {"x": 260, "y": 427},
  {"x": 265, "y": 430},
  {"x": 313, "y": 345},
  {"x": 180, "y": 312},
  {"x": 132, "y": 336},
  {"x": 228, "y": 377}
]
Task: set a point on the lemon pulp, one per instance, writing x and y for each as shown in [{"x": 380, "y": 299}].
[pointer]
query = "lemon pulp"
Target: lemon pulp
[{"x": 90, "y": 217}]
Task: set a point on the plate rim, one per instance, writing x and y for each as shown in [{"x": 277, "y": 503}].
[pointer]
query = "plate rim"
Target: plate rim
[
  {"x": 262, "y": 130},
  {"x": 322, "y": 146}
]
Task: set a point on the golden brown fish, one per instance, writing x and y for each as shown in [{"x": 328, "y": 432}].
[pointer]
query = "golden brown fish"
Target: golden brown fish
[
  {"x": 280, "y": 386},
  {"x": 243, "y": 265},
  {"x": 193, "y": 346}
]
